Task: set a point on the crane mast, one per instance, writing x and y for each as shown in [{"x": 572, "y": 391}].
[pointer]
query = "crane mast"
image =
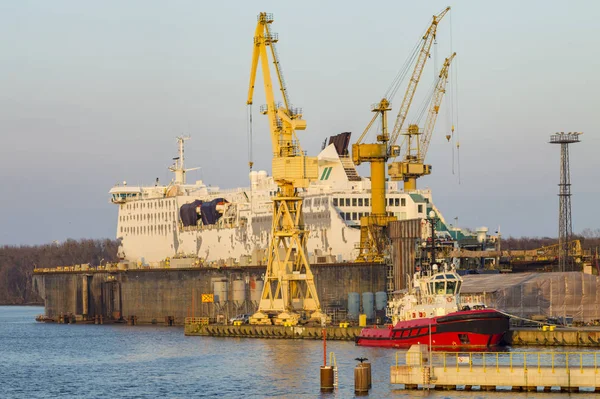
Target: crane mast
[
  {"x": 412, "y": 166},
  {"x": 371, "y": 246},
  {"x": 289, "y": 287}
]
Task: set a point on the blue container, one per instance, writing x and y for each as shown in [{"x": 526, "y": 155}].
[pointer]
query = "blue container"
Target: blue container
[
  {"x": 353, "y": 305},
  {"x": 380, "y": 300},
  {"x": 368, "y": 305}
]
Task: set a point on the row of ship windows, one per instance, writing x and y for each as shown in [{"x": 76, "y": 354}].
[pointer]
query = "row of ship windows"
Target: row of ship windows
[
  {"x": 152, "y": 204},
  {"x": 315, "y": 201},
  {"x": 149, "y": 216},
  {"x": 365, "y": 202},
  {"x": 358, "y": 215},
  {"x": 159, "y": 229},
  {"x": 353, "y": 215}
]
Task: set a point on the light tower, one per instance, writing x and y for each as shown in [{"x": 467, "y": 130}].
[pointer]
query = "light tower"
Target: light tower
[{"x": 565, "y": 228}]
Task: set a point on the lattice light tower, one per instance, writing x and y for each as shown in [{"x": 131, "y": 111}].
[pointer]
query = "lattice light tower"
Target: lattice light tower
[{"x": 565, "y": 228}]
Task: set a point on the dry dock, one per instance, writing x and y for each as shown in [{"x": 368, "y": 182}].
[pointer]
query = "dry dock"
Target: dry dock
[
  {"x": 152, "y": 296},
  {"x": 519, "y": 371}
]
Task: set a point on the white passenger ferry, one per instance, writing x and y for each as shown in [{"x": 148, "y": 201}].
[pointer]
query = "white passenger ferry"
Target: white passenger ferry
[{"x": 194, "y": 223}]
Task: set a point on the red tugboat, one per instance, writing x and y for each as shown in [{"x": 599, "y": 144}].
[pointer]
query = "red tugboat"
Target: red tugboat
[{"x": 429, "y": 314}]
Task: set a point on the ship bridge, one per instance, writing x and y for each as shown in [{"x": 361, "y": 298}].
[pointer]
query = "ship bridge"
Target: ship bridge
[
  {"x": 445, "y": 283},
  {"x": 121, "y": 194}
]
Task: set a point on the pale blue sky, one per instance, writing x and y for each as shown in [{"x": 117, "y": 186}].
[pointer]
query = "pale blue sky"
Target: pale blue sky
[{"x": 93, "y": 93}]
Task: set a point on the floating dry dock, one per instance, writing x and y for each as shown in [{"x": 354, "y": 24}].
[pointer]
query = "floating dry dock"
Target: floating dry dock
[{"x": 520, "y": 371}]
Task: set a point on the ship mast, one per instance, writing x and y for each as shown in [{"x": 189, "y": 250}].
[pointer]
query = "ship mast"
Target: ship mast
[{"x": 179, "y": 166}]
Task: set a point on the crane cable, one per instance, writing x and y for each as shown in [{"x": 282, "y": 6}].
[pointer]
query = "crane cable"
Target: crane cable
[
  {"x": 250, "y": 161},
  {"x": 454, "y": 85},
  {"x": 450, "y": 109},
  {"x": 426, "y": 101},
  {"x": 399, "y": 78},
  {"x": 401, "y": 74},
  {"x": 249, "y": 127}
]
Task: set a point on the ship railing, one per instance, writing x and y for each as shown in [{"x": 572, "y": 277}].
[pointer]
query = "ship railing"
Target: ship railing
[
  {"x": 203, "y": 227},
  {"x": 541, "y": 362},
  {"x": 232, "y": 190}
]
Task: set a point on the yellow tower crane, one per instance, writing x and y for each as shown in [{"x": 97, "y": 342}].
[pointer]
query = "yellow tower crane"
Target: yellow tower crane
[
  {"x": 372, "y": 244},
  {"x": 289, "y": 287},
  {"x": 415, "y": 149}
]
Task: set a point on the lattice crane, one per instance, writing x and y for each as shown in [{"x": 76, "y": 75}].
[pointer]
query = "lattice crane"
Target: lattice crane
[
  {"x": 289, "y": 287},
  {"x": 372, "y": 243},
  {"x": 415, "y": 148}
]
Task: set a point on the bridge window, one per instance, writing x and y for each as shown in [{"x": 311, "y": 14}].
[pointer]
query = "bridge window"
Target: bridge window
[
  {"x": 353, "y": 201},
  {"x": 402, "y": 201},
  {"x": 366, "y": 202},
  {"x": 450, "y": 286},
  {"x": 420, "y": 209},
  {"x": 360, "y": 202},
  {"x": 335, "y": 202},
  {"x": 353, "y": 215},
  {"x": 397, "y": 201},
  {"x": 347, "y": 201}
]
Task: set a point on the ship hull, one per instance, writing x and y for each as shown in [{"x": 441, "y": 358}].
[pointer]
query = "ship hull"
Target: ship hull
[{"x": 474, "y": 329}]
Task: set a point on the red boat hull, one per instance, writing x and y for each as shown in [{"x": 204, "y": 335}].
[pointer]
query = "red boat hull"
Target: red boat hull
[{"x": 473, "y": 329}]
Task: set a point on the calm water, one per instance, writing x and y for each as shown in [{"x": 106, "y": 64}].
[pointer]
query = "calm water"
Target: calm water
[{"x": 87, "y": 361}]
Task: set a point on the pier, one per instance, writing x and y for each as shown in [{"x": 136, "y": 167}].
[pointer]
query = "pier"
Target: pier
[{"x": 519, "y": 371}]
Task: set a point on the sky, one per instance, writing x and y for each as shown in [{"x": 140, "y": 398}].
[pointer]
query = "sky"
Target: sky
[{"x": 94, "y": 93}]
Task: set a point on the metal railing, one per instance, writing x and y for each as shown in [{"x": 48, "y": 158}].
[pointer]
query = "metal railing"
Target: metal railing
[{"x": 540, "y": 361}]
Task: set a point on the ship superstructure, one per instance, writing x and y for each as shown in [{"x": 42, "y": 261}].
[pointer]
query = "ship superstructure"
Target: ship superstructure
[{"x": 196, "y": 223}]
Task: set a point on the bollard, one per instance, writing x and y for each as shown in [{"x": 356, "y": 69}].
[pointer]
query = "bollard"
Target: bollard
[
  {"x": 326, "y": 379},
  {"x": 362, "y": 320},
  {"x": 361, "y": 384},
  {"x": 367, "y": 365}
]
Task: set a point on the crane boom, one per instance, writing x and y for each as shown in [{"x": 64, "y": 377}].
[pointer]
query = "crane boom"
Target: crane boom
[
  {"x": 412, "y": 165},
  {"x": 428, "y": 39},
  {"x": 289, "y": 287}
]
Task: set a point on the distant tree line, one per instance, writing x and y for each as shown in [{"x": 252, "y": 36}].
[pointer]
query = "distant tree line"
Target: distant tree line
[
  {"x": 590, "y": 240},
  {"x": 17, "y": 264}
]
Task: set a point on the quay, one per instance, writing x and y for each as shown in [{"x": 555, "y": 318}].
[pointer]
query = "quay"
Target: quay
[
  {"x": 580, "y": 336},
  {"x": 519, "y": 371},
  {"x": 196, "y": 326}
]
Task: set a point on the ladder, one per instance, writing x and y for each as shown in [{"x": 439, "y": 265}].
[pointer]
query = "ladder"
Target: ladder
[{"x": 333, "y": 364}]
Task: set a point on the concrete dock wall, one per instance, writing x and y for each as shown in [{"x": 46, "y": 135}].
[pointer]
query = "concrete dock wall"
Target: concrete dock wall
[{"x": 151, "y": 295}]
